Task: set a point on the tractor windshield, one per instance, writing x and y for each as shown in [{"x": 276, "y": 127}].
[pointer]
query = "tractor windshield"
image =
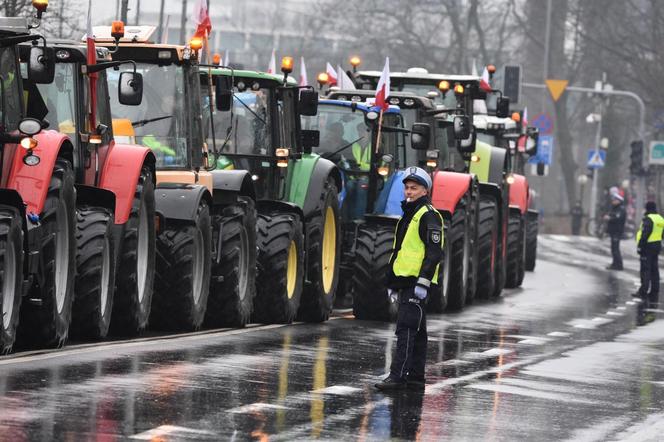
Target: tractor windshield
[
  {"x": 10, "y": 104},
  {"x": 346, "y": 139},
  {"x": 249, "y": 131},
  {"x": 423, "y": 90},
  {"x": 160, "y": 121},
  {"x": 60, "y": 99}
]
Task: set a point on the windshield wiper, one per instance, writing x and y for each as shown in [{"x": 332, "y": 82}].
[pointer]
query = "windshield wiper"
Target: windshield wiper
[
  {"x": 248, "y": 108},
  {"x": 140, "y": 123},
  {"x": 345, "y": 146}
]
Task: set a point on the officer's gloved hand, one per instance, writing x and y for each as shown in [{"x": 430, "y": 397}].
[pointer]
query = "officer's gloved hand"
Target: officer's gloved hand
[
  {"x": 392, "y": 295},
  {"x": 420, "y": 292}
]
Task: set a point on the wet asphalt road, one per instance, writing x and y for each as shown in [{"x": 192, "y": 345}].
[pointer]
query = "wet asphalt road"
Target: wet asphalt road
[{"x": 558, "y": 359}]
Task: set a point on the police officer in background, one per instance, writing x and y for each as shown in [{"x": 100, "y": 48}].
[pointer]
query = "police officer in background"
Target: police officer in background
[
  {"x": 649, "y": 244},
  {"x": 414, "y": 264},
  {"x": 615, "y": 228}
]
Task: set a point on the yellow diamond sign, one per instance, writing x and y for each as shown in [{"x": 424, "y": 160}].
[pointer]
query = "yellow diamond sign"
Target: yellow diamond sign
[{"x": 556, "y": 88}]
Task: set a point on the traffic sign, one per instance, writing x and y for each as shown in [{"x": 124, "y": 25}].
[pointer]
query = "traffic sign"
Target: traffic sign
[
  {"x": 544, "y": 123},
  {"x": 556, "y": 88},
  {"x": 544, "y": 150},
  {"x": 596, "y": 159},
  {"x": 656, "y": 152}
]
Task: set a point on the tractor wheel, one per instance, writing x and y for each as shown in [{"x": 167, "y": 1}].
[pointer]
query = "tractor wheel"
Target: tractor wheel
[
  {"x": 471, "y": 282},
  {"x": 182, "y": 280},
  {"x": 501, "y": 256},
  {"x": 11, "y": 274},
  {"x": 487, "y": 244},
  {"x": 323, "y": 254},
  {"x": 280, "y": 273},
  {"x": 136, "y": 271},
  {"x": 439, "y": 294},
  {"x": 372, "y": 258},
  {"x": 233, "y": 286},
  {"x": 514, "y": 268},
  {"x": 95, "y": 273},
  {"x": 531, "y": 244},
  {"x": 459, "y": 243},
  {"x": 48, "y": 324},
  {"x": 522, "y": 254}
]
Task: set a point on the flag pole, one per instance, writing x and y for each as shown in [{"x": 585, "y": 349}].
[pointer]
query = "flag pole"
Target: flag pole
[
  {"x": 380, "y": 127},
  {"x": 214, "y": 140}
]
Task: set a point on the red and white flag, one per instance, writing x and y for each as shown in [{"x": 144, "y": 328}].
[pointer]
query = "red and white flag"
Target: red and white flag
[
  {"x": 331, "y": 75},
  {"x": 92, "y": 59},
  {"x": 304, "y": 81},
  {"x": 524, "y": 119},
  {"x": 484, "y": 81},
  {"x": 272, "y": 67},
  {"x": 343, "y": 80},
  {"x": 202, "y": 19},
  {"x": 383, "y": 89}
]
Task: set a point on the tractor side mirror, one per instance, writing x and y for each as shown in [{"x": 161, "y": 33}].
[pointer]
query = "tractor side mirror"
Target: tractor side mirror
[
  {"x": 41, "y": 65},
  {"x": 130, "y": 89},
  {"x": 420, "y": 135},
  {"x": 223, "y": 94},
  {"x": 308, "y": 102},
  {"x": 532, "y": 134},
  {"x": 466, "y": 144},
  {"x": 310, "y": 139},
  {"x": 503, "y": 107},
  {"x": 461, "y": 127}
]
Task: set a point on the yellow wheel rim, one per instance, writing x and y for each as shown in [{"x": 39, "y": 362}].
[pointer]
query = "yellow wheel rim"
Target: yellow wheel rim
[
  {"x": 329, "y": 249},
  {"x": 291, "y": 270}
]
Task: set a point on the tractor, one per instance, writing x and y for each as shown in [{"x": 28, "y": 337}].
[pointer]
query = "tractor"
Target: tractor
[
  {"x": 255, "y": 125},
  {"x": 454, "y": 194},
  {"x": 206, "y": 247},
  {"x": 37, "y": 201},
  {"x": 115, "y": 201},
  {"x": 372, "y": 168}
]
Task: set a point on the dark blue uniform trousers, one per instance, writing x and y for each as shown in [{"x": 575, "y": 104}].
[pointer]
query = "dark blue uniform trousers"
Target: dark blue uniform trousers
[
  {"x": 411, "y": 354},
  {"x": 649, "y": 290}
]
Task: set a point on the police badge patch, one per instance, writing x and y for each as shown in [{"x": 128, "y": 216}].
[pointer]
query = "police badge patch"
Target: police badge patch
[{"x": 435, "y": 236}]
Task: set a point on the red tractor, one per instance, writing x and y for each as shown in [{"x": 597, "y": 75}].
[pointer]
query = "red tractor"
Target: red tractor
[
  {"x": 37, "y": 202},
  {"x": 115, "y": 196}
]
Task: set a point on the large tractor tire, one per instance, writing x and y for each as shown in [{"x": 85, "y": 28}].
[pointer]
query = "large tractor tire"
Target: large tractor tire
[
  {"x": 95, "y": 273},
  {"x": 373, "y": 249},
  {"x": 473, "y": 209},
  {"x": 531, "y": 243},
  {"x": 47, "y": 323},
  {"x": 487, "y": 243},
  {"x": 501, "y": 257},
  {"x": 11, "y": 274},
  {"x": 233, "y": 286},
  {"x": 323, "y": 255},
  {"x": 280, "y": 275},
  {"x": 136, "y": 271},
  {"x": 515, "y": 251},
  {"x": 459, "y": 243},
  {"x": 182, "y": 281}
]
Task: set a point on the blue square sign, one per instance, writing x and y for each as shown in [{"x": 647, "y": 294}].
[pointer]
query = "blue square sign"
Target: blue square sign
[
  {"x": 596, "y": 159},
  {"x": 544, "y": 150}
]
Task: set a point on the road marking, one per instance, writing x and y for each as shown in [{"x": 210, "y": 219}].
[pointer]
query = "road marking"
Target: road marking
[
  {"x": 256, "y": 406},
  {"x": 557, "y": 334},
  {"x": 341, "y": 390},
  {"x": 165, "y": 430}
]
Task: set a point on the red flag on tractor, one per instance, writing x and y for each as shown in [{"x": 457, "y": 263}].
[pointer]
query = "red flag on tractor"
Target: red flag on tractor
[
  {"x": 383, "y": 89},
  {"x": 202, "y": 20}
]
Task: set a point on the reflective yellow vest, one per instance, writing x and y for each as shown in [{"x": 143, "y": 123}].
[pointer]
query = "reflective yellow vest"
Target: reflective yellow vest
[
  {"x": 410, "y": 256},
  {"x": 362, "y": 156},
  {"x": 657, "y": 228}
]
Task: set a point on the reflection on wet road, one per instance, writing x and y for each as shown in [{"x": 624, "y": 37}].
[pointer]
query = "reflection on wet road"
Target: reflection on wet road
[{"x": 558, "y": 359}]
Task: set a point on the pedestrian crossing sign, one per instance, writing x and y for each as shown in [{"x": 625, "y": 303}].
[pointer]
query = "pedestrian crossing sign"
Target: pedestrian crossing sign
[{"x": 596, "y": 159}]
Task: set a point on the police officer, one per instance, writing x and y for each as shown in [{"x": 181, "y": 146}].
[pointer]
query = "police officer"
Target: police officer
[
  {"x": 615, "y": 228},
  {"x": 649, "y": 244},
  {"x": 414, "y": 265}
]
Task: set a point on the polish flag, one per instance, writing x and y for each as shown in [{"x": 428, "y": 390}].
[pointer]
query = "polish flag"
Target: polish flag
[
  {"x": 202, "y": 19},
  {"x": 331, "y": 74},
  {"x": 524, "y": 119},
  {"x": 92, "y": 59},
  {"x": 272, "y": 67},
  {"x": 344, "y": 81},
  {"x": 484, "y": 81},
  {"x": 304, "y": 81},
  {"x": 383, "y": 89}
]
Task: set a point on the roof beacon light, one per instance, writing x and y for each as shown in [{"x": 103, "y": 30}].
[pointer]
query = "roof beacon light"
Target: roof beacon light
[
  {"x": 196, "y": 43},
  {"x": 40, "y": 6},
  {"x": 117, "y": 30},
  {"x": 355, "y": 61},
  {"x": 287, "y": 65},
  {"x": 216, "y": 58},
  {"x": 516, "y": 117},
  {"x": 459, "y": 89},
  {"x": 323, "y": 79},
  {"x": 444, "y": 86}
]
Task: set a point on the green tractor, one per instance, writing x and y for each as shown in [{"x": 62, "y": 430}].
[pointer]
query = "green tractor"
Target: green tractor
[{"x": 255, "y": 125}]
